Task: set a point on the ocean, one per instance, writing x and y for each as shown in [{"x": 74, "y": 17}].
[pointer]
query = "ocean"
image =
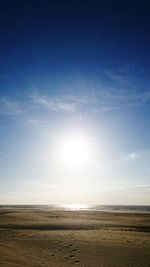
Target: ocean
[{"x": 78, "y": 207}]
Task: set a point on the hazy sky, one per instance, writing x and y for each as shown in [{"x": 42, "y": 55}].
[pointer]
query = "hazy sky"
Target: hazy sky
[{"x": 74, "y": 70}]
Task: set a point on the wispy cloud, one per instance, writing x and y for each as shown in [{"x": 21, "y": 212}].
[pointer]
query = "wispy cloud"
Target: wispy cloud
[
  {"x": 132, "y": 194},
  {"x": 88, "y": 96},
  {"x": 124, "y": 74},
  {"x": 139, "y": 188},
  {"x": 127, "y": 88},
  {"x": 133, "y": 156},
  {"x": 140, "y": 193},
  {"x": 58, "y": 104},
  {"x": 34, "y": 122},
  {"x": 100, "y": 100},
  {"x": 103, "y": 101},
  {"x": 119, "y": 77},
  {"x": 10, "y": 107},
  {"x": 130, "y": 157}
]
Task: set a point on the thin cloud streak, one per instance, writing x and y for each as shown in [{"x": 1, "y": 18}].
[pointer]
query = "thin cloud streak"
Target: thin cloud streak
[
  {"x": 95, "y": 100},
  {"x": 9, "y": 107},
  {"x": 54, "y": 103},
  {"x": 107, "y": 100}
]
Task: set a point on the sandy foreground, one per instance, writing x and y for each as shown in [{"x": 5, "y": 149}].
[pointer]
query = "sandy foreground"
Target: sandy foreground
[{"x": 36, "y": 237}]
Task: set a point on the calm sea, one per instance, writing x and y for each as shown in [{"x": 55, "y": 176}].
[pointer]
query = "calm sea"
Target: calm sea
[{"x": 71, "y": 207}]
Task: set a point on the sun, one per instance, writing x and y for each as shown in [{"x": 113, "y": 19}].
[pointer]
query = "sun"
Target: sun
[{"x": 75, "y": 150}]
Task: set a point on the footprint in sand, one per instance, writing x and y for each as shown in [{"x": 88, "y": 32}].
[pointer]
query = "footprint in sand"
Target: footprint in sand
[
  {"x": 77, "y": 261},
  {"x": 74, "y": 249},
  {"x": 70, "y": 245},
  {"x": 71, "y": 256}
]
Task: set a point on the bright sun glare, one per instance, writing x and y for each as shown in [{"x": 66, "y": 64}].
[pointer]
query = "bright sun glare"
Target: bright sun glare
[{"x": 75, "y": 150}]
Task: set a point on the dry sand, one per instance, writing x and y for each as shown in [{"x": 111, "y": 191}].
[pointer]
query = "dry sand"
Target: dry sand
[{"x": 31, "y": 237}]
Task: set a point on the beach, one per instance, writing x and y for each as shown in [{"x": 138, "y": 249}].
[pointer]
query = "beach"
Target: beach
[{"x": 59, "y": 238}]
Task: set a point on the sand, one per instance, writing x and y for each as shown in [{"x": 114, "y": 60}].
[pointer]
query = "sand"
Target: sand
[{"x": 38, "y": 237}]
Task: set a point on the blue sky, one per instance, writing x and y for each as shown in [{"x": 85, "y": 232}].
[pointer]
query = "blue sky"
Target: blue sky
[{"x": 81, "y": 68}]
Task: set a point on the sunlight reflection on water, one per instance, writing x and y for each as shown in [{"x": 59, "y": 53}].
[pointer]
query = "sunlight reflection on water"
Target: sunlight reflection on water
[{"x": 76, "y": 207}]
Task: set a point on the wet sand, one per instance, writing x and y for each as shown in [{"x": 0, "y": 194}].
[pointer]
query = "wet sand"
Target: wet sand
[{"x": 38, "y": 237}]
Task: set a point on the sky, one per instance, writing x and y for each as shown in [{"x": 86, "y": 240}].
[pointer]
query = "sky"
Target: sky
[{"x": 75, "y": 102}]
